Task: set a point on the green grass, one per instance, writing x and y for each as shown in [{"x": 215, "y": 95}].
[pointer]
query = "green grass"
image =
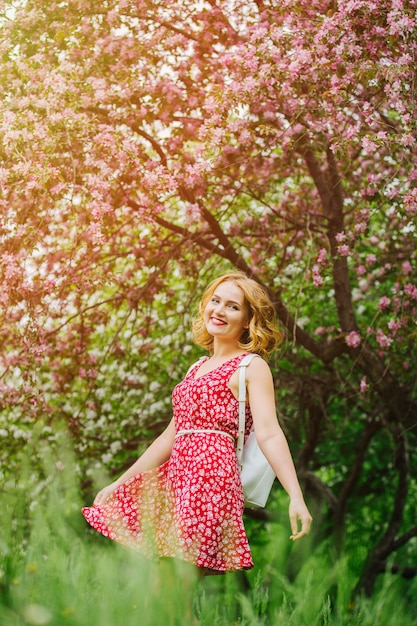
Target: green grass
[{"x": 54, "y": 571}]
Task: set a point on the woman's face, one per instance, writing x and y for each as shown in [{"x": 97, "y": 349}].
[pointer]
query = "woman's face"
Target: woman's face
[{"x": 226, "y": 313}]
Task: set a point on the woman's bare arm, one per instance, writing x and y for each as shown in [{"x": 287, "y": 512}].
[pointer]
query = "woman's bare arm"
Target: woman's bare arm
[
  {"x": 273, "y": 442},
  {"x": 157, "y": 453}
]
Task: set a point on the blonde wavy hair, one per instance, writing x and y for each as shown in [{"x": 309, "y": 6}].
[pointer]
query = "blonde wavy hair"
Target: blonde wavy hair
[{"x": 262, "y": 335}]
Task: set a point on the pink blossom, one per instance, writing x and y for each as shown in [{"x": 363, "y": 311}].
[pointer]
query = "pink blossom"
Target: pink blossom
[
  {"x": 56, "y": 189},
  {"x": 363, "y": 385},
  {"x": 351, "y": 133},
  {"x": 407, "y": 139},
  {"x": 410, "y": 202},
  {"x": 360, "y": 227},
  {"x": 394, "y": 325},
  {"x": 406, "y": 267},
  {"x": 392, "y": 192},
  {"x": 12, "y": 269},
  {"x": 411, "y": 290},
  {"x": 384, "y": 303},
  {"x": 383, "y": 340},
  {"x": 192, "y": 213},
  {"x": 369, "y": 146},
  {"x": 135, "y": 155},
  {"x": 321, "y": 257},
  {"x": 95, "y": 235},
  {"x": 245, "y": 137},
  {"x": 399, "y": 22},
  {"x": 317, "y": 278},
  {"x": 343, "y": 250},
  {"x": 353, "y": 339},
  {"x": 193, "y": 174}
]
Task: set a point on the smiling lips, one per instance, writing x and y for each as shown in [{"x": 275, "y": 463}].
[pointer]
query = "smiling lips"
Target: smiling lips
[{"x": 217, "y": 322}]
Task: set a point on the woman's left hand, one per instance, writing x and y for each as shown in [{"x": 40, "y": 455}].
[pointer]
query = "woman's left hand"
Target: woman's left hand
[{"x": 299, "y": 514}]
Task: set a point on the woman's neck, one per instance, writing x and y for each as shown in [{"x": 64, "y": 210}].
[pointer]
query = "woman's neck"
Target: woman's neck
[{"x": 223, "y": 352}]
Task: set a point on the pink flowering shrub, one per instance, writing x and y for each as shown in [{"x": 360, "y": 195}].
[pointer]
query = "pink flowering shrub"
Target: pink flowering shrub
[
  {"x": 149, "y": 146},
  {"x": 353, "y": 339}
]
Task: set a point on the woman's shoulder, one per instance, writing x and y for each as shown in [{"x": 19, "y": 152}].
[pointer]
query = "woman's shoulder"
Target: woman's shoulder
[
  {"x": 258, "y": 366},
  {"x": 259, "y": 378},
  {"x": 196, "y": 364}
]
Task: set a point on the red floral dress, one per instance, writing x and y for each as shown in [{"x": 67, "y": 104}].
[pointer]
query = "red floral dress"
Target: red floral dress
[{"x": 191, "y": 506}]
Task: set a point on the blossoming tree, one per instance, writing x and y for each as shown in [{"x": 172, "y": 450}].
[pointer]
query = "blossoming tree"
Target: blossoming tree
[{"x": 146, "y": 145}]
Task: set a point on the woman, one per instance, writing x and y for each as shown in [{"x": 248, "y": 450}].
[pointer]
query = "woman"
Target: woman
[{"x": 183, "y": 497}]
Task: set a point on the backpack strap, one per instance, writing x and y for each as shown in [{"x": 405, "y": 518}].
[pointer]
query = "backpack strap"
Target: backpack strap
[{"x": 242, "y": 406}]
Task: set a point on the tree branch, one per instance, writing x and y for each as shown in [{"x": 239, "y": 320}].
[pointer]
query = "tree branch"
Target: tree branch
[
  {"x": 326, "y": 351},
  {"x": 376, "y": 561},
  {"x": 330, "y": 191},
  {"x": 155, "y": 145},
  {"x": 315, "y": 484},
  {"x": 371, "y": 428},
  {"x": 177, "y": 30},
  {"x": 405, "y": 572},
  {"x": 317, "y": 414},
  {"x": 224, "y": 241},
  {"x": 318, "y": 177},
  {"x": 403, "y": 539},
  {"x": 402, "y": 464},
  {"x": 185, "y": 234},
  {"x": 402, "y": 407}
]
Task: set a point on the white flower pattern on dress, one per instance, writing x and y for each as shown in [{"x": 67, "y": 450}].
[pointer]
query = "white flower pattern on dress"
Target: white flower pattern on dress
[{"x": 191, "y": 506}]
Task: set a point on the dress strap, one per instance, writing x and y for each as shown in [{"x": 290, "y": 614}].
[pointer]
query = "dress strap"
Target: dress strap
[
  {"x": 199, "y": 362},
  {"x": 193, "y": 431}
]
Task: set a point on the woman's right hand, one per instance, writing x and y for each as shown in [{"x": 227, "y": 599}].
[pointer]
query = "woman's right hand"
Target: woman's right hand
[{"x": 104, "y": 493}]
